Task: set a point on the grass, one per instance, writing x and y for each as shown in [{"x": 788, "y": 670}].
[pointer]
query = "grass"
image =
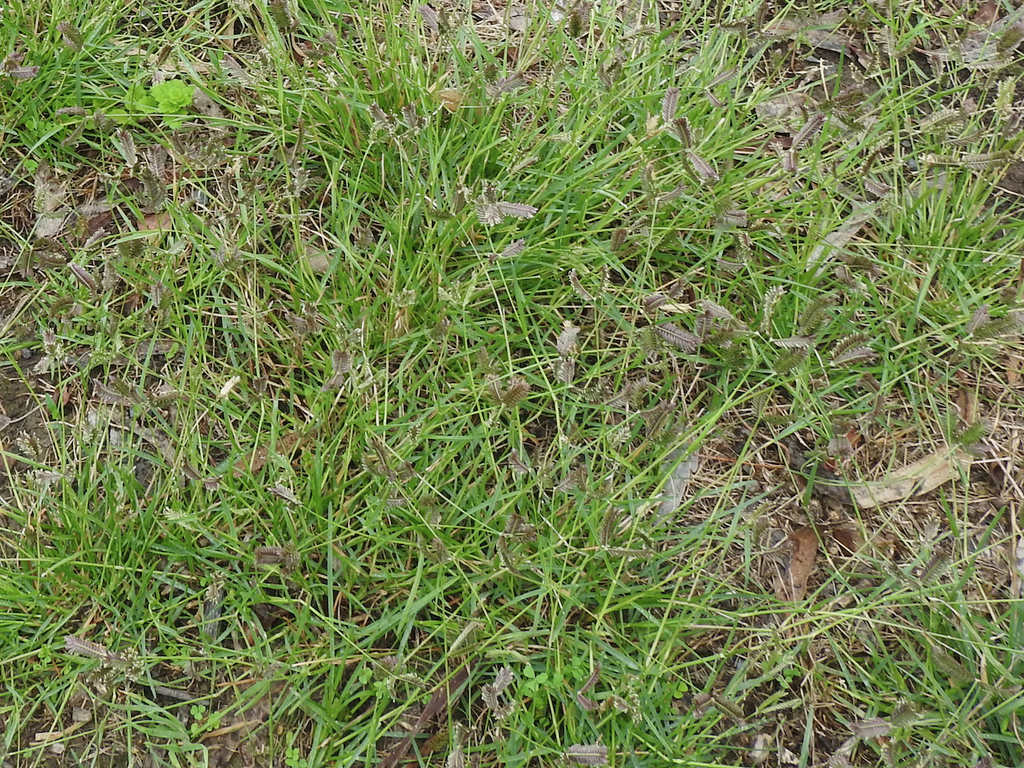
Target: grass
[{"x": 299, "y": 427}]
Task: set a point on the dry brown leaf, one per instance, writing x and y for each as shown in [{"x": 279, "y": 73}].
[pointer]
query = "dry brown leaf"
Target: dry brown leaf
[
  {"x": 1013, "y": 361},
  {"x": 987, "y": 47},
  {"x": 256, "y": 459},
  {"x": 785, "y": 107},
  {"x": 839, "y": 238},
  {"x": 967, "y": 404},
  {"x": 795, "y": 26},
  {"x": 760, "y": 750},
  {"x": 155, "y": 222},
  {"x": 919, "y": 477},
  {"x": 987, "y": 14},
  {"x": 233, "y": 68},
  {"x": 517, "y": 18},
  {"x": 162, "y": 444},
  {"x": 206, "y": 106},
  {"x": 791, "y": 586},
  {"x": 679, "y": 470},
  {"x": 818, "y": 32},
  {"x": 848, "y": 538},
  {"x": 450, "y": 99},
  {"x": 319, "y": 262},
  {"x": 53, "y": 213}
]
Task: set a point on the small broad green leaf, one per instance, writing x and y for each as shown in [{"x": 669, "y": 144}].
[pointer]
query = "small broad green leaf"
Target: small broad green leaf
[{"x": 172, "y": 95}]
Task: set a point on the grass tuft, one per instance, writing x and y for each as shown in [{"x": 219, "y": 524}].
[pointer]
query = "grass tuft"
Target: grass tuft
[{"x": 489, "y": 384}]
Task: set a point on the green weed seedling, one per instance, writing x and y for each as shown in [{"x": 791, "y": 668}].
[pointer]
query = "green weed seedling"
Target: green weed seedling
[{"x": 171, "y": 99}]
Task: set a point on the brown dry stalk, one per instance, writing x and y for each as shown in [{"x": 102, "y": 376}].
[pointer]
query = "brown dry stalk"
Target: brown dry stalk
[{"x": 439, "y": 701}]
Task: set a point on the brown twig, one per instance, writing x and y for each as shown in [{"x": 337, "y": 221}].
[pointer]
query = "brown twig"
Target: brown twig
[{"x": 439, "y": 701}]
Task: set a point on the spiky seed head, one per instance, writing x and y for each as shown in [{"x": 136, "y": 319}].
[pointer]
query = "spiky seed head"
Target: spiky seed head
[{"x": 677, "y": 337}]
